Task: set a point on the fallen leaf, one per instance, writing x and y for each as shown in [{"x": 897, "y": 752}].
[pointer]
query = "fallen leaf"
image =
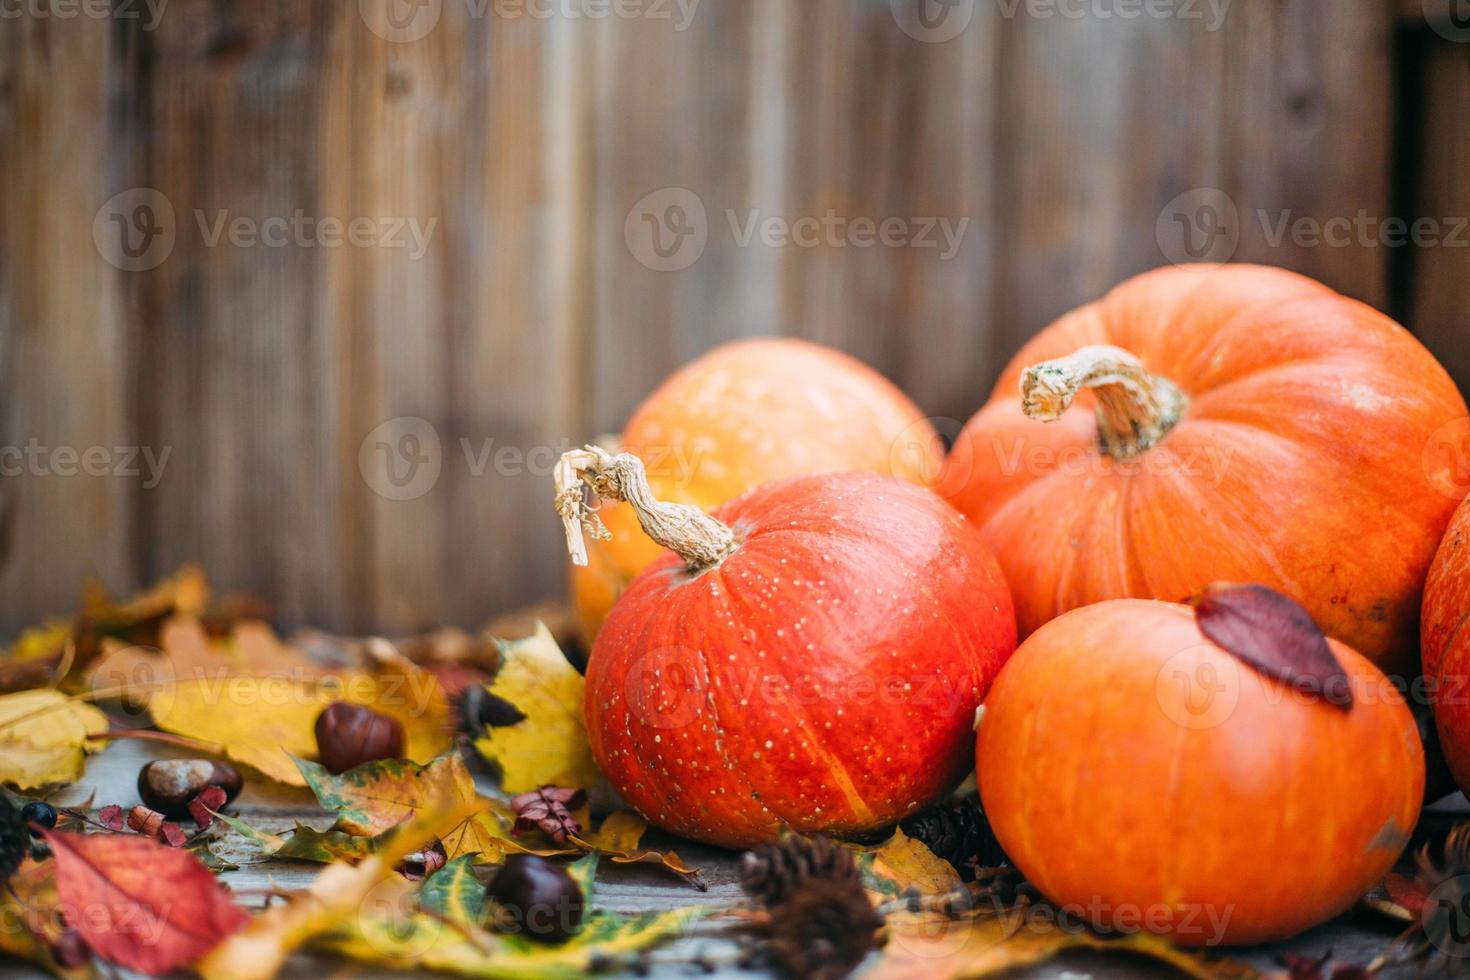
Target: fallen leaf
[
  {"x": 304, "y": 843},
  {"x": 1274, "y": 634},
  {"x": 454, "y": 893},
  {"x": 934, "y": 946},
  {"x": 377, "y": 796},
  {"x": 398, "y": 688},
  {"x": 45, "y": 738},
  {"x": 338, "y": 893},
  {"x": 261, "y": 722},
  {"x": 32, "y": 927},
  {"x": 140, "y": 905},
  {"x": 618, "y": 838},
  {"x": 902, "y": 865},
  {"x": 549, "y": 809},
  {"x": 550, "y": 745}
]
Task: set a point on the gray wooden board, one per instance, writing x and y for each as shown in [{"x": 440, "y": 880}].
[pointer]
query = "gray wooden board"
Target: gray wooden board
[{"x": 111, "y": 778}]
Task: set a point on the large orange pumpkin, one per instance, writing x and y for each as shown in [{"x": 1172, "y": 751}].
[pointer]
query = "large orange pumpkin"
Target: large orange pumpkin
[
  {"x": 810, "y": 656},
  {"x": 1145, "y": 779},
  {"x": 1446, "y": 643},
  {"x": 745, "y": 414},
  {"x": 1235, "y": 423}
]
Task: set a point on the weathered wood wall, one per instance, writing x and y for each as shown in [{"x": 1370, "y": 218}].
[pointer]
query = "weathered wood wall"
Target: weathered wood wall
[{"x": 529, "y": 322}]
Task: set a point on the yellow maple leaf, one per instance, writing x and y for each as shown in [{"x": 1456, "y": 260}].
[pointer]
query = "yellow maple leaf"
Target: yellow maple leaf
[
  {"x": 549, "y": 745},
  {"x": 259, "y": 721},
  {"x": 45, "y": 737}
]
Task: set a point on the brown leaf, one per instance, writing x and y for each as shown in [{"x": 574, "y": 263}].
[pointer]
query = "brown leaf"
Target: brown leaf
[
  {"x": 1274, "y": 634},
  {"x": 549, "y": 808},
  {"x": 145, "y": 907}
]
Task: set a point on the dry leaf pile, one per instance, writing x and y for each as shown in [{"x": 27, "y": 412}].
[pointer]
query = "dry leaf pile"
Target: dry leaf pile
[{"x": 413, "y": 840}]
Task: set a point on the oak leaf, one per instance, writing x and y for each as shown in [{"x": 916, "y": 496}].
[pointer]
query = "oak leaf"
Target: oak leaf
[
  {"x": 141, "y": 905},
  {"x": 618, "y": 838},
  {"x": 45, "y": 737},
  {"x": 550, "y": 744}
]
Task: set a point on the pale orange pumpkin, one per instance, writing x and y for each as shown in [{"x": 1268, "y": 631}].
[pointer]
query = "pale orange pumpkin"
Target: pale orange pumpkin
[
  {"x": 1232, "y": 423},
  {"x": 1144, "y": 778},
  {"x": 744, "y": 414}
]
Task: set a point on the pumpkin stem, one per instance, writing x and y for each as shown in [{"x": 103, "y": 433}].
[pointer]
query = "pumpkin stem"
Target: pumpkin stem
[
  {"x": 689, "y": 532},
  {"x": 1135, "y": 409}
]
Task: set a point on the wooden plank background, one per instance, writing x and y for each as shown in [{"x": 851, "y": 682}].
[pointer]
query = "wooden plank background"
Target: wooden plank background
[{"x": 529, "y": 323}]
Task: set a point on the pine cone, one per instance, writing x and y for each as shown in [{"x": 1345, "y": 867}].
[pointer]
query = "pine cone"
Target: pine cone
[
  {"x": 15, "y": 838},
  {"x": 824, "y": 929},
  {"x": 773, "y": 872},
  {"x": 959, "y": 833}
]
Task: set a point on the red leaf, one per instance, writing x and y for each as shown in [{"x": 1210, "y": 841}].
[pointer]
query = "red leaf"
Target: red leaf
[
  {"x": 201, "y": 807},
  {"x": 1407, "y": 892},
  {"x": 1274, "y": 634},
  {"x": 139, "y": 904},
  {"x": 111, "y": 817}
]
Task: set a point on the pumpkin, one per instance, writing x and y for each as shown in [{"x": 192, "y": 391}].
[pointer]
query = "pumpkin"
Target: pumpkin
[
  {"x": 744, "y": 414},
  {"x": 1446, "y": 644},
  {"x": 1238, "y": 423},
  {"x": 1144, "y": 777},
  {"x": 809, "y": 656}
]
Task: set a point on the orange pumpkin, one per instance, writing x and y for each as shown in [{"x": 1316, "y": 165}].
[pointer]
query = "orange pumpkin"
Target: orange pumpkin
[
  {"x": 745, "y": 414},
  {"x": 1238, "y": 423},
  {"x": 1446, "y": 643},
  {"x": 1143, "y": 778}
]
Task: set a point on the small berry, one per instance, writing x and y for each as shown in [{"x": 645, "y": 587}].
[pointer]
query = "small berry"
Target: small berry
[
  {"x": 39, "y": 811},
  {"x": 534, "y": 896}
]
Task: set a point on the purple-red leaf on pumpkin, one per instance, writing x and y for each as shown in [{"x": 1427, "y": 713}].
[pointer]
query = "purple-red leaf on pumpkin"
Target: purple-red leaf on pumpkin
[{"x": 1275, "y": 635}]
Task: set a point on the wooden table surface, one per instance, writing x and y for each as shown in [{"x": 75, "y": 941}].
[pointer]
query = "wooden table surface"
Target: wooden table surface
[{"x": 111, "y": 778}]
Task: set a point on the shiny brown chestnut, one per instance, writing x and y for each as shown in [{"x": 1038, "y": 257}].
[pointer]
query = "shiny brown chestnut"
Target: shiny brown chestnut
[
  {"x": 347, "y": 735},
  {"x": 535, "y": 896},
  {"x": 167, "y": 785}
]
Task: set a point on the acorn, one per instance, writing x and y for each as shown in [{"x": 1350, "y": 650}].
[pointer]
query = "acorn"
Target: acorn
[
  {"x": 534, "y": 896},
  {"x": 167, "y": 785},
  {"x": 347, "y": 735}
]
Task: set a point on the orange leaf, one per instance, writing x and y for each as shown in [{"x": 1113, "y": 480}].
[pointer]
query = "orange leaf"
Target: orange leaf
[{"x": 138, "y": 904}]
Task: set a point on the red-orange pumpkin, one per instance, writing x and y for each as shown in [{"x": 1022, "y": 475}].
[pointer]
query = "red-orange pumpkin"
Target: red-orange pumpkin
[
  {"x": 1236, "y": 423},
  {"x": 1446, "y": 643},
  {"x": 1145, "y": 779},
  {"x": 810, "y": 656},
  {"x": 745, "y": 414}
]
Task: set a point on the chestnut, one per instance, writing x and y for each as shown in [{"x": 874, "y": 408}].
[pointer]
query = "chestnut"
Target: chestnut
[
  {"x": 347, "y": 735},
  {"x": 534, "y": 896},
  {"x": 167, "y": 785}
]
